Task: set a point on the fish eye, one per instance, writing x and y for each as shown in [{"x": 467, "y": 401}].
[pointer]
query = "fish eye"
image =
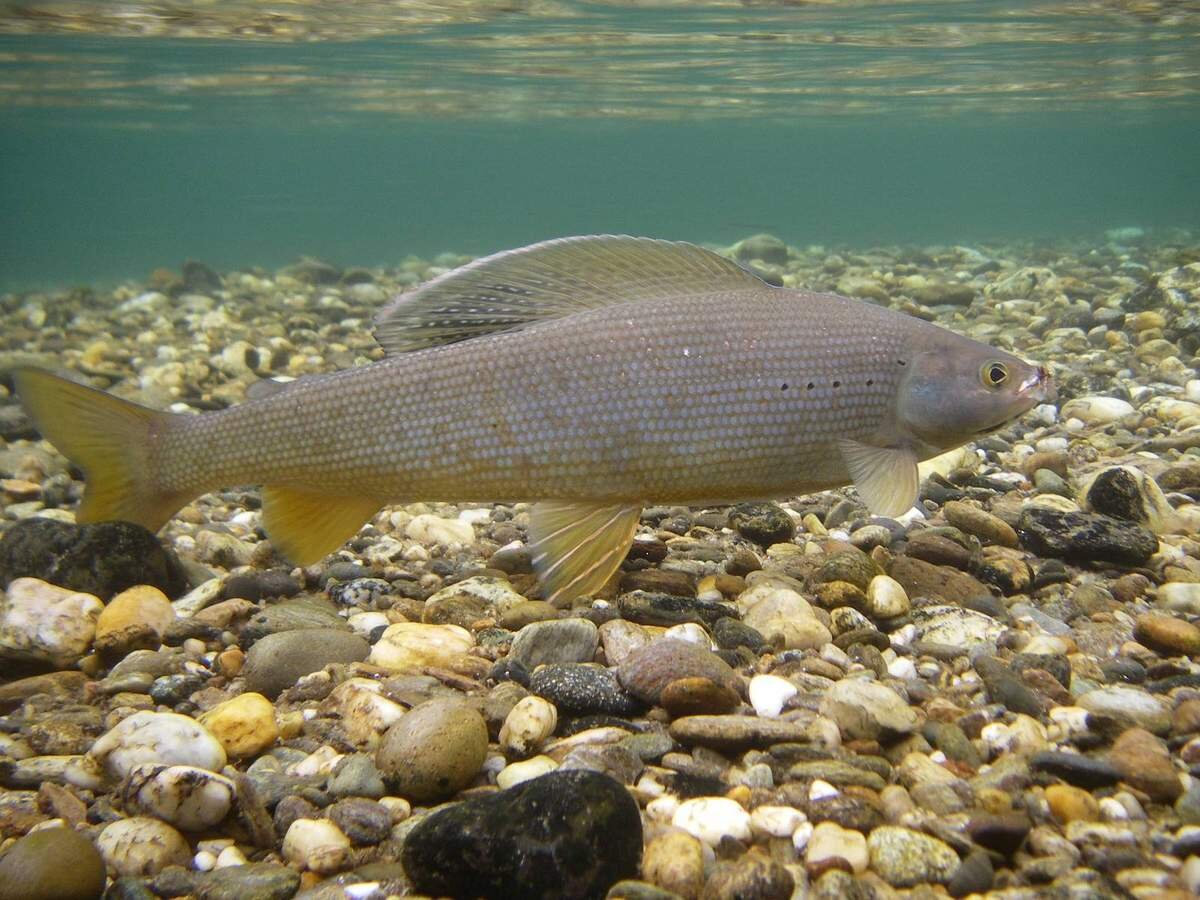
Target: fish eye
[{"x": 994, "y": 374}]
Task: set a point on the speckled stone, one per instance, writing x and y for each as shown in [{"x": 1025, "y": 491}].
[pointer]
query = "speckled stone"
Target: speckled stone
[{"x": 906, "y": 858}]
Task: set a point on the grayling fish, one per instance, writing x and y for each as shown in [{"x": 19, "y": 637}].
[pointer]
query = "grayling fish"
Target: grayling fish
[{"x": 591, "y": 375}]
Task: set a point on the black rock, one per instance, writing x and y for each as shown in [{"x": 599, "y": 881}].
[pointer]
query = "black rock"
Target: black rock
[
  {"x": 730, "y": 633},
  {"x": 578, "y": 689},
  {"x": 763, "y": 523},
  {"x": 1002, "y": 832},
  {"x": 667, "y": 609},
  {"x": 1115, "y": 492},
  {"x": 363, "y": 821},
  {"x": 1075, "y": 768},
  {"x": 171, "y": 690},
  {"x": 1085, "y": 536},
  {"x": 1122, "y": 669},
  {"x": 102, "y": 559},
  {"x": 565, "y": 834}
]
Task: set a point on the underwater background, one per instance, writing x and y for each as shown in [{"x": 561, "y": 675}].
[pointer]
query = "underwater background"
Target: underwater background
[{"x": 136, "y": 135}]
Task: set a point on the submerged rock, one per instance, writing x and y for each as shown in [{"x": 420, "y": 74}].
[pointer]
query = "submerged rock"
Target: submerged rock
[
  {"x": 565, "y": 834},
  {"x": 101, "y": 559},
  {"x": 1085, "y": 536}
]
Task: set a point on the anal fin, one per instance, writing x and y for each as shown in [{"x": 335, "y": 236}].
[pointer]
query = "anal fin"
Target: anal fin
[
  {"x": 886, "y": 477},
  {"x": 576, "y": 547},
  {"x": 306, "y": 525}
]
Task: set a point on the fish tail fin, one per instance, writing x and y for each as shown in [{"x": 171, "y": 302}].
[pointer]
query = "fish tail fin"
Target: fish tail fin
[{"x": 110, "y": 439}]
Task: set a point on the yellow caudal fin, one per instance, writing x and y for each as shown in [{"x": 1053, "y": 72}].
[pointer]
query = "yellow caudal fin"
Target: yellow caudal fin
[
  {"x": 110, "y": 439},
  {"x": 576, "y": 547},
  {"x": 305, "y": 525}
]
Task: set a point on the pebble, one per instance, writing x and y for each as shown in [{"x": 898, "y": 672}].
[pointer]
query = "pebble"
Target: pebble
[
  {"x": 581, "y": 689},
  {"x": 435, "y": 750},
  {"x": 190, "y": 798},
  {"x": 524, "y": 770},
  {"x": 33, "y": 867},
  {"x": 1129, "y": 704},
  {"x": 886, "y": 598},
  {"x": 135, "y": 619},
  {"x": 471, "y": 599},
  {"x": 732, "y": 733},
  {"x": 528, "y": 725},
  {"x": 753, "y": 875},
  {"x": 567, "y": 833},
  {"x": 768, "y": 694},
  {"x": 165, "y": 739},
  {"x": 763, "y": 523},
  {"x": 1125, "y": 492},
  {"x": 697, "y": 696},
  {"x": 1070, "y": 804},
  {"x": 674, "y": 861},
  {"x": 954, "y": 626},
  {"x": 647, "y": 671},
  {"x": 140, "y": 845},
  {"x": 43, "y": 623},
  {"x": 1094, "y": 410},
  {"x": 973, "y": 520},
  {"x": 865, "y": 710},
  {"x": 906, "y": 858},
  {"x": 557, "y": 641},
  {"x": 278, "y": 661},
  {"x": 709, "y": 819},
  {"x": 317, "y": 845},
  {"x": 1145, "y": 763},
  {"x": 244, "y": 725},
  {"x": 1167, "y": 634},
  {"x": 430, "y": 529},
  {"x": 832, "y": 845},
  {"x": 411, "y": 646}
]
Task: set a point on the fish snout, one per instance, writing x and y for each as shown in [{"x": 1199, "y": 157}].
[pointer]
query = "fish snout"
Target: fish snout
[{"x": 1040, "y": 386}]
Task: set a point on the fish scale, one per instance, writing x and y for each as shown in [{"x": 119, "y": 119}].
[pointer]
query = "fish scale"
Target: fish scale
[
  {"x": 692, "y": 409},
  {"x": 590, "y": 375}
]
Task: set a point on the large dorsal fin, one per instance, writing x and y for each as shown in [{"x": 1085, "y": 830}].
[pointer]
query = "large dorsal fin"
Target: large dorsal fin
[{"x": 547, "y": 280}]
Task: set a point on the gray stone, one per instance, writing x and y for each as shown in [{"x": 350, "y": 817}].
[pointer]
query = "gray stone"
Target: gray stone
[
  {"x": 435, "y": 750},
  {"x": 277, "y": 661},
  {"x": 578, "y": 689},
  {"x": 868, "y": 710},
  {"x": 555, "y": 641},
  {"x": 1131, "y": 705}
]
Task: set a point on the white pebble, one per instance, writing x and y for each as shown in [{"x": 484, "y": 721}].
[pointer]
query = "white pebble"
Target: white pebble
[
  {"x": 187, "y": 797},
  {"x": 776, "y": 821},
  {"x": 801, "y": 836},
  {"x": 1044, "y": 414},
  {"x": 821, "y": 790},
  {"x": 886, "y": 598},
  {"x": 902, "y": 667},
  {"x": 528, "y": 724},
  {"x": 1112, "y": 811},
  {"x": 1051, "y": 444},
  {"x": 231, "y": 856},
  {"x": 525, "y": 770},
  {"x": 662, "y": 809},
  {"x": 320, "y": 762},
  {"x": 204, "y": 861},
  {"x": 316, "y": 844},
  {"x": 41, "y": 622},
  {"x": 768, "y": 694},
  {"x": 150, "y": 737},
  {"x": 431, "y": 529},
  {"x": 1097, "y": 410},
  {"x": 711, "y": 818},
  {"x": 691, "y": 633}
]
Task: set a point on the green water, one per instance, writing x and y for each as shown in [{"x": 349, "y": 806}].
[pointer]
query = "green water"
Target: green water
[{"x": 479, "y": 127}]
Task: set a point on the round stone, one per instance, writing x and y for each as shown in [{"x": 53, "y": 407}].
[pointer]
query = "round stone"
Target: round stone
[
  {"x": 141, "y": 846},
  {"x": 435, "y": 750},
  {"x": 1167, "y": 634},
  {"x": 33, "y": 869},
  {"x": 245, "y": 725},
  {"x": 157, "y": 738},
  {"x": 279, "y": 660}
]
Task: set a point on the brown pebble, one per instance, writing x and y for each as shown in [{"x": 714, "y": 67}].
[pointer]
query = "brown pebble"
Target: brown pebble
[
  {"x": 1145, "y": 763},
  {"x": 1054, "y": 460},
  {"x": 1128, "y": 588},
  {"x": 1167, "y": 634},
  {"x": 1186, "y": 718},
  {"x": 697, "y": 697}
]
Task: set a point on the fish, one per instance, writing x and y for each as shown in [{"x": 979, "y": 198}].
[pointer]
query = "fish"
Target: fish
[{"x": 590, "y": 376}]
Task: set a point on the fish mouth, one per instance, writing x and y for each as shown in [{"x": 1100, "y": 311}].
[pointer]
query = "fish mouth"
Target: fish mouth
[{"x": 1039, "y": 387}]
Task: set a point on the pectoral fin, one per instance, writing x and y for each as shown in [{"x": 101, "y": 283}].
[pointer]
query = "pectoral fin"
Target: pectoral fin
[
  {"x": 577, "y": 547},
  {"x": 886, "y": 477},
  {"x": 306, "y": 525}
]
